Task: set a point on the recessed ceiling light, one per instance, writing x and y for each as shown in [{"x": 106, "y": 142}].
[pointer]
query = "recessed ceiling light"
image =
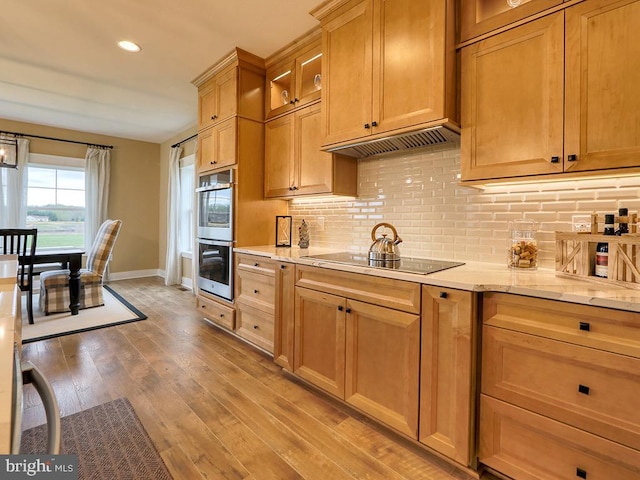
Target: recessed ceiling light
[{"x": 129, "y": 46}]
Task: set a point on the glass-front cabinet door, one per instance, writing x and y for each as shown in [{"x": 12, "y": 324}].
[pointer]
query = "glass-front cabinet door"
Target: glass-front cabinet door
[{"x": 482, "y": 16}]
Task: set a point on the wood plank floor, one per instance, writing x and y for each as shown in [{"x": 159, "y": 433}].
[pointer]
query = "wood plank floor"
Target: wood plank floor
[{"x": 215, "y": 407}]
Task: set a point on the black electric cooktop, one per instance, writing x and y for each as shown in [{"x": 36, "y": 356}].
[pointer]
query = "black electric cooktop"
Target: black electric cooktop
[{"x": 410, "y": 265}]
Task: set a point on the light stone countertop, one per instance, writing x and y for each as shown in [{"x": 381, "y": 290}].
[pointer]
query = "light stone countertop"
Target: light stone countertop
[
  {"x": 478, "y": 277},
  {"x": 10, "y": 332}
]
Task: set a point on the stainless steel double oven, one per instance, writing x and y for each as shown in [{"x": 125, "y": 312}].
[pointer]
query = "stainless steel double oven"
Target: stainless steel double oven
[{"x": 215, "y": 199}]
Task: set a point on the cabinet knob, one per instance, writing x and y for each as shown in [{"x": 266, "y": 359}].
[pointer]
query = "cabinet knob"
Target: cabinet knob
[
  {"x": 585, "y": 326},
  {"x": 295, "y": 100},
  {"x": 348, "y": 310},
  {"x": 255, "y": 327},
  {"x": 213, "y": 117},
  {"x": 555, "y": 159},
  {"x": 580, "y": 473},
  {"x": 443, "y": 294},
  {"x": 255, "y": 291},
  {"x": 583, "y": 389},
  {"x": 255, "y": 264},
  {"x": 374, "y": 124},
  {"x": 222, "y": 315},
  {"x": 282, "y": 267},
  {"x": 340, "y": 308},
  {"x": 366, "y": 125},
  {"x": 294, "y": 188},
  {"x": 572, "y": 157}
]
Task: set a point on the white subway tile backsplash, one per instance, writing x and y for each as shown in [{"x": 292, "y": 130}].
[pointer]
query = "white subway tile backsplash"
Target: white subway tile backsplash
[{"x": 438, "y": 218}]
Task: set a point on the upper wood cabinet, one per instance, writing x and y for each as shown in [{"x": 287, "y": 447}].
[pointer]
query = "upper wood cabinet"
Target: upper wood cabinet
[
  {"x": 388, "y": 65},
  {"x": 548, "y": 98},
  {"x": 478, "y": 17},
  {"x": 294, "y": 163},
  {"x": 229, "y": 92},
  {"x": 294, "y": 75}
]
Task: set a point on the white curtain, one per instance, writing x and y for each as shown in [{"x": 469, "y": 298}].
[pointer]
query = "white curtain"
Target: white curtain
[
  {"x": 13, "y": 188},
  {"x": 97, "y": 168},
  {"x": 173, "y": 269}
]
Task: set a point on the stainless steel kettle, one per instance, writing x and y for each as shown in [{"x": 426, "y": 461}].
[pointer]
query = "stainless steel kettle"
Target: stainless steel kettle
[{"x": 384, "y": 249}]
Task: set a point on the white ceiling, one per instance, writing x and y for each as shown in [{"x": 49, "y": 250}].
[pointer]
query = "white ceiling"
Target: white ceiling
[{"x": 60, "y": 66}]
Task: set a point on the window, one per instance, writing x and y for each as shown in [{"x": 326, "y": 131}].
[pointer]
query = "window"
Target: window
[
  {"x": 55, "y": 200},
  {"x": 185, "y": 207}
]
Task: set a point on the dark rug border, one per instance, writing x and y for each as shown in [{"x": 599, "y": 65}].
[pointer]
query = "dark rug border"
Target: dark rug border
[{"x": 138, "y": 316}]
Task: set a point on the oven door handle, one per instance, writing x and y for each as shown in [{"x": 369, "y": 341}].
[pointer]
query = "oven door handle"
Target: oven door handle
[
  {"x": 215, "y": 242},
  {"x": 31, "y": 374},
  {"x": 213, "y": 188}
]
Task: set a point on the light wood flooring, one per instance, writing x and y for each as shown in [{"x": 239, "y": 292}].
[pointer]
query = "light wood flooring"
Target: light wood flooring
[{"x": 215, "y": 407}]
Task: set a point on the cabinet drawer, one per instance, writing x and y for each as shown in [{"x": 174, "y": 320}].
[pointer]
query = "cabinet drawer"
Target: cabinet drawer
[
  {"x": 255, "y": 325},
  {"x": 385, "y": 292},
  {"x": 528, "y": 446},
  {"x": 603, "y": 328},
  {"x": 216, "y": 312},
  {"x": 257, "y": 289},
  {"x": 591, "y": 389},
  {"x": 255, "y": 263}
]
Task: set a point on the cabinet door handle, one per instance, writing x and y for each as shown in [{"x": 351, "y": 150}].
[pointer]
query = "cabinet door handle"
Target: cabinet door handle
[
  {"x": 374, "y": 124},
  {"x": 348, "y": 310},
  {"x": 581, "y": 473},
  {"x": 295, "y": 100},
  {"x": 282, "y": 267},
  {"x": 585, "y": 326},
  {"x": 294, "y": 188},
  {"x": 366, "y": 125},
  {"x": 340, "y": 308},
  {"x": 583, "y": 389},
  {"x": 213, "y": 117},
  {"x": 572, "y": 158},
  {"x": 443, "y": 294},
  {"x": 555, "y": 159}
]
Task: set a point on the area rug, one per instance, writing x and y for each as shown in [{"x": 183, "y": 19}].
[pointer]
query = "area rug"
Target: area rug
[
  {"x": 110, "y": 441},
  {"x": 116, "y": 310}
]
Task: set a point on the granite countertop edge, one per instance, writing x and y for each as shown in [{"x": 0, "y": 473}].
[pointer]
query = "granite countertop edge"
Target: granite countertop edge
[{"x": 477, "y": 277}]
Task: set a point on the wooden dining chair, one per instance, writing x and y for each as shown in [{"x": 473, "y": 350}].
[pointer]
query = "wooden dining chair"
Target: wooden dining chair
[{"x": 22, "y": 242}]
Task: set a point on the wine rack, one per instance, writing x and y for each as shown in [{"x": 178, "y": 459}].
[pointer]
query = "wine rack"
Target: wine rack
[{"x": 575, "y": 254}]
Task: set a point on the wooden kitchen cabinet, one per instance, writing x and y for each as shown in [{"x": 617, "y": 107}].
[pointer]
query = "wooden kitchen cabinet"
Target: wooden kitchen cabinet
[
  {"x": 229, "y": 92},
  {"x": 388, "y": 66},
  {"x": 284, "y": 321},
  {"x": 217, "y": 145},
  {"x": 216, "y": 311},
  {"x": 448, "y": 371},
  {"x": 294, "y": 75},
  {"x": 358, "y": 338},
  {"x": 478, "y": 17},
  {"x": 559, "y": 387},
  {"x": 255, "y": 295},
  {"x": 294, "y": 163},
  {"x": 554, "y": 109}
]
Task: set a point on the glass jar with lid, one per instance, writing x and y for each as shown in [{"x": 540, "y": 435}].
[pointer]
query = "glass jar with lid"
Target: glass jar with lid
[{"x": 522, "y": 250}]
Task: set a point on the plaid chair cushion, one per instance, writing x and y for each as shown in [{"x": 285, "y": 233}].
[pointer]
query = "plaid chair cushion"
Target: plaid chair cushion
[{"x": 54, "y": 285}]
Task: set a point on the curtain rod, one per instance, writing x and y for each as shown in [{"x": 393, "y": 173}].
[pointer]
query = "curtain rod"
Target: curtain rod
[
  {"x": 185, "y": 140},
  {"x": 58, "y": 139}
]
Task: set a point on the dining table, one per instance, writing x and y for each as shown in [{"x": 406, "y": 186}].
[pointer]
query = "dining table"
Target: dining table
[{"x": 70, "y": 258}]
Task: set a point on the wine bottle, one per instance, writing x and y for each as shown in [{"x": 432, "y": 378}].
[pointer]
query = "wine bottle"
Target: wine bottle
[
  {"x": 602, "y": 249},
  {"x": 623, "y": 227}
]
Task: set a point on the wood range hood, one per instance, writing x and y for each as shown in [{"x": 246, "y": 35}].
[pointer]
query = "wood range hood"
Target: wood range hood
[{"x": 425, "y": 137}]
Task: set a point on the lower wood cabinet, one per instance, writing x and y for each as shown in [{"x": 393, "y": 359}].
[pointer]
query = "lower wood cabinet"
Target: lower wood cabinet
[
  {"x": 283, "y": 334},
  {"x": 367, "y": 354},
  {"x": 216, "y": 312},
  {"x": 559, "y": 390},
  {"x": 448, "y": 372}
]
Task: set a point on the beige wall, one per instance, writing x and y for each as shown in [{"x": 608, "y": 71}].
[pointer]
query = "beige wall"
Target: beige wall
[
  {"x": 134, "y": 190},
  {"x": 165, "y": 148}
]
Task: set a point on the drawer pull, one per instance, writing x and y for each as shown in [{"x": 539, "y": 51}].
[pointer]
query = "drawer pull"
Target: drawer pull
[
  {"x": 583, "y": 389},
  {"x": 585, "y": 326},
  {"x": 255, "y": 327},
  {"x": 443, "y": 294},
  {"x": 222, "y": 315},
  {"x": 282, "y": 267},
  {"x": 255, "y": 264},
  {"x": 255, "y": 291},
  {"x": 581, "y": 473}
]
